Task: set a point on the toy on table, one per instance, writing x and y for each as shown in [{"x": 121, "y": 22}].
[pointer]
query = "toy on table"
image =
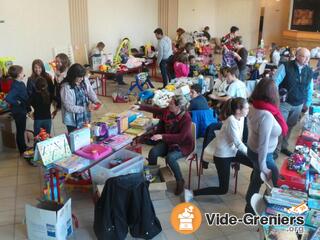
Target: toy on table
[
  {"x": 3, "y": 104},
  {"x": 42, "y": 136},
  {"x": 309, "y": 136},
  {"x": 80, "y": 138},
  {"x": 94, "y": 151},
  {"x": 118, "y": 141},
  {"x": 291, "y": 179},
  {"x": 297, "y": 162},
  {"x": 100, "y": 130}
]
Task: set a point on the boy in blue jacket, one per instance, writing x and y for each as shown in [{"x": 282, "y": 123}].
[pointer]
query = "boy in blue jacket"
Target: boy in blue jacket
[{"x": 18, "y": 99}]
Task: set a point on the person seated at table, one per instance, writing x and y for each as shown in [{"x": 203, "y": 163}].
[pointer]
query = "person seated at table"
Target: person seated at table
[
  {"x": 198, "y": 101},
  {"x": 174, "y": 138},
  {"x": 181, "y": 66},
  {"x": 236, "y": 88},
  {"x": 220, "y": 83},
  {"x": 78, "y": 98},
  {"x": 226, "y": 147},
  {"x": 194, "y": 68},
  {"x": 97, "y": 51}
]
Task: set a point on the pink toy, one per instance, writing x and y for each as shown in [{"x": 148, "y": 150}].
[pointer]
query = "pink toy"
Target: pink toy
[{"x": 94, "y": 151}]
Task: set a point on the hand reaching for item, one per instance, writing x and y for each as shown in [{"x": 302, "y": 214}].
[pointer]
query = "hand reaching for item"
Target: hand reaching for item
[
  {"x": 212, "y": 96},
  {"x": 156, "y": 137},
  {"x": 31, "y": 115},
  {"x": 268, "y": 173},
  {"x": 135, "y": 107},
  {"x": 54, "y": 113}
]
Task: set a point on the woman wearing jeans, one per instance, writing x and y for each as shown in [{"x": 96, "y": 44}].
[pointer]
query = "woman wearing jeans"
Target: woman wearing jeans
[
  {"x": 265, "y": 123},
  {"x": 226, "y": 148}
]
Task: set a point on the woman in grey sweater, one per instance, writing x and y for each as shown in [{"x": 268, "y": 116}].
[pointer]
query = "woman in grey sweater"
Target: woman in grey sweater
[{"x": 265, "y": 123}]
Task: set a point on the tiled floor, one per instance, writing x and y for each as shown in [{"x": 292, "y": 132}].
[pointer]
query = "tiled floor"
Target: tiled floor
[{"x": 20, "y": 184}]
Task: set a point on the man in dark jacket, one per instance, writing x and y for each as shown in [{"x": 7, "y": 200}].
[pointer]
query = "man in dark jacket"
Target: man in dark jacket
[{"x": 296, "y": 77}]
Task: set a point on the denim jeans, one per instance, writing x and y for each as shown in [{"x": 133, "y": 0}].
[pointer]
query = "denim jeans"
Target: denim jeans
[
  {"x": 161, "y": 150},
  {"x": 164, "y": 71},
  {"x": 45, "y": 123},
  {"x": 291, "y": 114},
  {"x": 243, "y": 74},
  {"x": 255, "y": 179}
]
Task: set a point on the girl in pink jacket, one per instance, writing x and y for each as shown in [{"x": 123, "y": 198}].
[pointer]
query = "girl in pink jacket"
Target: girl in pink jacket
[{"x": 181, "y": 66}]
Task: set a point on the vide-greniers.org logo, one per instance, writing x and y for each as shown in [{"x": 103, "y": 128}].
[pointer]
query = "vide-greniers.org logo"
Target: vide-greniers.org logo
[{"x": 249, "y": 219}]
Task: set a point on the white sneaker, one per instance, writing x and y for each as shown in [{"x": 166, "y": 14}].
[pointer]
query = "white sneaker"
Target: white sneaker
[{"x": 188, "y": 195}]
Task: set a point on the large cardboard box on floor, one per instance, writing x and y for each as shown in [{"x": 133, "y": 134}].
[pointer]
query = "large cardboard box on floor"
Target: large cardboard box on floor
[
  {"x": 49, "y": 224},
  {"x": 7, "y": 129}
]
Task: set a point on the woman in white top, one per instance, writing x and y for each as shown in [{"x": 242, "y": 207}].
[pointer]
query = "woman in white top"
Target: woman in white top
[{"x": 227, "y": 147}]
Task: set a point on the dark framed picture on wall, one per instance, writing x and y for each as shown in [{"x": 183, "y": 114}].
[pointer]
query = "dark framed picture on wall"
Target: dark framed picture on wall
[{"x": 306, "y": 15}]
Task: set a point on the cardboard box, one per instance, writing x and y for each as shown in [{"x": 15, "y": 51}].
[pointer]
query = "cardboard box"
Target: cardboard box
[
  {"x": 6, "y": 123},
  {"x": 8, "y": 139},
  {"x": 49, "y": 224},
  {"x": 166, "y": 174}
]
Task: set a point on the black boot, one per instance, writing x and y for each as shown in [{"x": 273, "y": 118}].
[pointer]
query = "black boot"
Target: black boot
[{"x": 180, "y": 187}]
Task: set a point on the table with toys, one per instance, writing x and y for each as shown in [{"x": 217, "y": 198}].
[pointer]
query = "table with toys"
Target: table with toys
[{"x": 107, "y": 147}]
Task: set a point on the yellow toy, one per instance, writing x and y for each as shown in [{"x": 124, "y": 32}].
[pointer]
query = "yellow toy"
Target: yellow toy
[
  {"x": 123, "y": 51},
  {"x": 5, "y": 63},
  {"x": 170, "y": 88}
]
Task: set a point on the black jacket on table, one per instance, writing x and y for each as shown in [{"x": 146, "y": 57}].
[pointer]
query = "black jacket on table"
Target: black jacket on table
[{"x": 125, "y": 203}]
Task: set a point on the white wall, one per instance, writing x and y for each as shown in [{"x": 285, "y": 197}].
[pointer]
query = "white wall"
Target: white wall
[
  {"x": 32, "y": 29},
  {"x": 194, "y": 15},
  {"x": 276, "y": 18},
  {"x": 110, "y": 21},
  {"x": 220, "y": 15}
]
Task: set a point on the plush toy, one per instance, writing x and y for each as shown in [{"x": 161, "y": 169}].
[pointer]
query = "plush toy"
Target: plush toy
[
  {"x": 103, "y": 68},
  {"x": 42, "y": 136}
]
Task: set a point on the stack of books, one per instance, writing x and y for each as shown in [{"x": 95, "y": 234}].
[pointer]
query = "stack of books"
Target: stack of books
[
  {"x": 72, "y": 164},
  {"x": 119, "y": 141},
  {"x": 286, "y": 197},
  {"x": 141, "y": 123}
]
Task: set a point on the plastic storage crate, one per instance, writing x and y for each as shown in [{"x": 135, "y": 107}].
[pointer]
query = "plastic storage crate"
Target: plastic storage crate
[{"x": 102, "y": 171}]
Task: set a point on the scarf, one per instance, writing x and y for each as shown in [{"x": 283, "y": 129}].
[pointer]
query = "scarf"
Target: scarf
[
  {"x": 82, "y": 100},
  {"x": 262, "y": 105}
]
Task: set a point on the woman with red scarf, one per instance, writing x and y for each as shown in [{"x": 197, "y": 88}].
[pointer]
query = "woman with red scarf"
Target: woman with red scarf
[{"x": 265, "y": 123}]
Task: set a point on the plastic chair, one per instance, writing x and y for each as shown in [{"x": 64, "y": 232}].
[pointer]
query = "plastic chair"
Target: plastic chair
[
  {"x": 268, "y": 183},
  {"x": 141, "y": 79},
  {"x": 193, "y": 156},
  {"x": 258, "y": 204}
]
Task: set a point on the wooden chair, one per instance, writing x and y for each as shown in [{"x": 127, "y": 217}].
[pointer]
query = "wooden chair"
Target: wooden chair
[{"x": 193, "y": 156}]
